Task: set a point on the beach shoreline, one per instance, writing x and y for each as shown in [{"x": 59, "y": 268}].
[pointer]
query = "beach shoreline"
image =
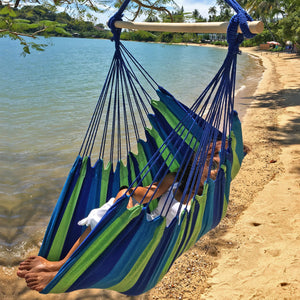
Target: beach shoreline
[{"x": 208, "y": 270}]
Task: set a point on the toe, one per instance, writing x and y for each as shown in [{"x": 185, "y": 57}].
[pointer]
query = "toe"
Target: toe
[
  {"x": 31, "y": 281},
  {"x": 30, "y": 277},
  {"x": 21, "y": 274},
  {"x": 23, "y": 263},
  {"x": 32, "y": 286},
  {"x": 39, "y": 288},
  {"x": 30, "y": 258},
  {"x": 23, "y": 267}
]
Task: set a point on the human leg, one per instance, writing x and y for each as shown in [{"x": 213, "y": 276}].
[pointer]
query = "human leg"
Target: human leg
[
  {"x": 38, "y": 271},
  {"x": 40, "y": 264}
]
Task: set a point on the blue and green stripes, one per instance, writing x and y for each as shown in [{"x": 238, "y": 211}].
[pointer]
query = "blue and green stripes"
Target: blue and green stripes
[{"x": 126, "y": 252}]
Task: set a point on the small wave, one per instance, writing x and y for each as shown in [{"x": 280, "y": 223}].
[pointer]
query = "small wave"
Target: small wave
[
  {"x": 12, "y": 255},
  {"x": 253, "y": 56},
  {"x": 240, "y": 89}
]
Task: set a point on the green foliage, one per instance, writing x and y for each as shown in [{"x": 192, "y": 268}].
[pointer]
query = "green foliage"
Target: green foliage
[
  {"x": 178, "y": 16},
  {"x": 139, "y": 35},
  {"x": 278, "y": 49},
  {"x": 41, "y": 20},
  {"x": 195, "y": 16},
  {"x": 166, "y": 37},
  {"x": 289, "y": 27},
  {"x": 220, "y": 43},
  {"x": 190, "y": 38},
  {"x": 281, "y": 19},
  {"x": 249, "y": 43},
  {"x": 22, "y": 21},
  {"x": 226, "y": 12},
  {"x": 163, "y": 37},
  {"x": 60, "y": 24},
  {"x": 21, "y": 25},
  {"x": 7, "y": 11},
  {"x": 258, "y": 39},
  {"x": 176, "y": 38}
]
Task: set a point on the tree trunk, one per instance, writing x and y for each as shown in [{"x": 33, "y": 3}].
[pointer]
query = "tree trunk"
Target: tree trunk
[{"x": 266, "y": 24}]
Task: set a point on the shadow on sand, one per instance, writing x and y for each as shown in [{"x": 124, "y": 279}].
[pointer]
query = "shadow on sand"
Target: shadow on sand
[{"x": 282, "y": 99}]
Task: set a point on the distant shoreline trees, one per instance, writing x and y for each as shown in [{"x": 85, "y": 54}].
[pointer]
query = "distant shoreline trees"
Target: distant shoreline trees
[{"x": 281, "y": 18}]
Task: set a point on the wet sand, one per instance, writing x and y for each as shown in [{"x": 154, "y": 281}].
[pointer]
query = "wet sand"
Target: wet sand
[{"x": 254, "y": 252}]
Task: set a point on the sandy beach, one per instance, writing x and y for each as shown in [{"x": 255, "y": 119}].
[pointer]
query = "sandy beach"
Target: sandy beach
[
  {"x": 255, "y": 251},
  {"x": 263, "y": 261}
]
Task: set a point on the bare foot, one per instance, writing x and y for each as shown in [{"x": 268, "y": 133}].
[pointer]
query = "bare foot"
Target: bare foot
[
  {"x": 38, "y": 281},
  {"x": 38, "y": 264}
]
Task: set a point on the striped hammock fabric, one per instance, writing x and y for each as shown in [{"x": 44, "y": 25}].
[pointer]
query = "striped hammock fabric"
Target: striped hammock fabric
[
  {"x": 104, "y": 249},
  {"x": 126, "y": 252}
]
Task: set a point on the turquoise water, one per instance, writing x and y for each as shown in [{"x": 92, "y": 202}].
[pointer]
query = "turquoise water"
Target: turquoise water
[{"x": 46, "y": 101}]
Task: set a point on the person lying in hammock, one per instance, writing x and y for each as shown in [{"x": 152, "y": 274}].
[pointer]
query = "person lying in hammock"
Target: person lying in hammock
[
  {"x": 169, "y": 192},
  {"x": 38, "y": 271}
]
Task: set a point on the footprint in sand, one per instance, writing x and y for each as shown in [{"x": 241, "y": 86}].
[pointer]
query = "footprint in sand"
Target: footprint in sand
[{"x": 272, "y": 252}]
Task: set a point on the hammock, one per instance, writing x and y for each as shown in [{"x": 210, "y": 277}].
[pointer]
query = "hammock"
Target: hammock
[{"x": 141, "y": 141}]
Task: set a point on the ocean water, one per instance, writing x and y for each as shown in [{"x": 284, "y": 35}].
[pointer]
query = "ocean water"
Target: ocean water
[{"x": 46, "y": 101}]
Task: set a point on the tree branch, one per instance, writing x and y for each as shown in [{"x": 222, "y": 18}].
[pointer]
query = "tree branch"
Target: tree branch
[
  {"x": 152, "y": 6},
  {"x": 17, "y": 3},
  {"x": 137, "y": 13},
  {"x": 32, "y": 35},
  {"x": 93, "y": 4}
]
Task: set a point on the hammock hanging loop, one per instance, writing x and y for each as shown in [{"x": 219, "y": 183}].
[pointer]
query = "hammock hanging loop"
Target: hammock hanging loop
[
  {"x": 243, "y": 17},
  {"x": 234, "y": 39},
  {"x": 115, "y": 31},
  {"x": 117, "y": 17}
]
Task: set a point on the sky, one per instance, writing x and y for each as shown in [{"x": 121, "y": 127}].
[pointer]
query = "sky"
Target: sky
[{"x": 189, "y": 5}]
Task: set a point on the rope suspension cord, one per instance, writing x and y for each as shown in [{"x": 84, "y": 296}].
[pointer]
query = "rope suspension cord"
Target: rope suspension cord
[
  {"x": 221, "y": 102},
  {"x": 216, "y": 101},
  {"x": 125, "y": 81},
  {"x": 123, "y": 98}
]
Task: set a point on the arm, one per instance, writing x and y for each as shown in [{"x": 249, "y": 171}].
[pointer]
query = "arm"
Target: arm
[{"x": 147, "y": 193}]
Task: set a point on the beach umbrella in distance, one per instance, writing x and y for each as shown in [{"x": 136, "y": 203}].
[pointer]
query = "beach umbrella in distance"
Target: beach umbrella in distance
[
  {"x": 273, "y": 43},
  {"x": 289, "y": 43}
]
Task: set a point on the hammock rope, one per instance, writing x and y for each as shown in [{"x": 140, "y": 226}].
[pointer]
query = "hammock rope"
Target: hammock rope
[{"x": 140, "y": 141}]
